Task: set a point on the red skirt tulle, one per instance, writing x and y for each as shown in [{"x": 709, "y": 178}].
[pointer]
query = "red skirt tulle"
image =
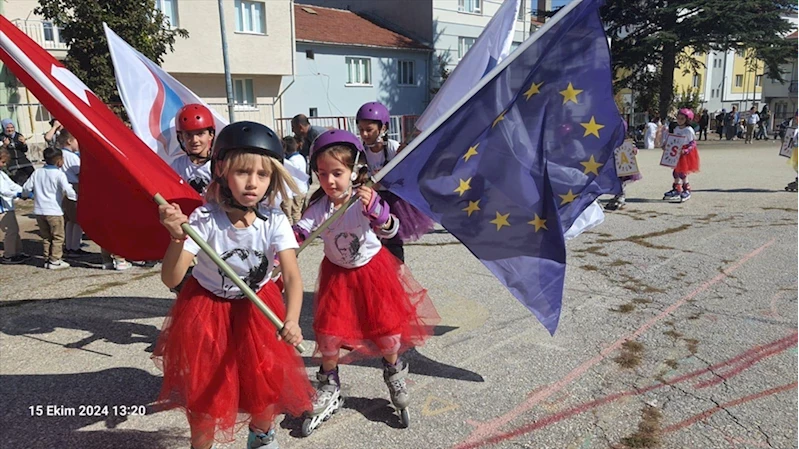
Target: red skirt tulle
[
  {"x": 224, "y": 365},
  {"x": 688, "y": 163},
  {"x": 379, "y": 299}
]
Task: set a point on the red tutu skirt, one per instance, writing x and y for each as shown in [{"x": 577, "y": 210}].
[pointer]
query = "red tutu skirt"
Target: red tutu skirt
[
  {"x": 224, "y": 365},
  {"x": 379, "y": 299},
  {"x": 688, "y": 163}
]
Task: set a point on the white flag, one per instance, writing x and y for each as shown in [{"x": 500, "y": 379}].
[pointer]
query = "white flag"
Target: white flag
[
  {"x": 151, "y": 97},
  {"x": 491, "y": 47}
]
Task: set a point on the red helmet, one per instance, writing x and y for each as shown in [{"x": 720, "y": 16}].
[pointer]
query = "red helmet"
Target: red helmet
[{"x": 194, "y": 117}]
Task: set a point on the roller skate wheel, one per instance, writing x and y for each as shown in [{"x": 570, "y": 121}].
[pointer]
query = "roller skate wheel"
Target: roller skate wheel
[
  {"x": 405, "y": 417},
  {"x": 307, "y": 430}
]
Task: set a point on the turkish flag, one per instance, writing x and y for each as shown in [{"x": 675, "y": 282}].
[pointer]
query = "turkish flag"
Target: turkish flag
[{"x": 120, "y": 175}]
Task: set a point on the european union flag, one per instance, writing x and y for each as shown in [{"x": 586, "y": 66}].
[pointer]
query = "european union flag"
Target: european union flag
[{"x": 514, "y": 166}]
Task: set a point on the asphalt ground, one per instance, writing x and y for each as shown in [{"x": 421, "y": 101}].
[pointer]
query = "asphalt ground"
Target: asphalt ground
[{"x": 679, "y": 330}]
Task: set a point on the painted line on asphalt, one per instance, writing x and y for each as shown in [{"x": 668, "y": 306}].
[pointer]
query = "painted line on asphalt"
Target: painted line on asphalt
[{"x": 489, "y": 428}]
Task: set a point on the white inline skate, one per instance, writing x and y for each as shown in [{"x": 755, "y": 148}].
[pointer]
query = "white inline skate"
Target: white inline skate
[
  {"x": 394, "y": 375},
  {"x": 327, "y": 402}
]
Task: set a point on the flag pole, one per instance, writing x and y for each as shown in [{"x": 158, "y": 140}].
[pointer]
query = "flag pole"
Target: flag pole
[
  {"x": 231, "y": 274},
  {"x": 483, "y": 82}
]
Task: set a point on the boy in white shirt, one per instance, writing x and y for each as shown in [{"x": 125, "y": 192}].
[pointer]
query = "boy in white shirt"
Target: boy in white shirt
[
  {"x": 9, "y": 228},
  {"x": 70, "y": 151},
  {"x": 298, "y": 169},
  {"x": 49, "y": 186}
]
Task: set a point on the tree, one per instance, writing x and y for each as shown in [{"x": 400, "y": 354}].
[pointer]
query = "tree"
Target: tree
[
  {"x": 136, "y": 21},
  {"x": 652, "y": 36}
]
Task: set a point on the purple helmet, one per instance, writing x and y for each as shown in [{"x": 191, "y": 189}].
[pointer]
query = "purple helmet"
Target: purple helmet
[
  {"x": 373, "y": 111},
  {"x": 334, "y": 137}
]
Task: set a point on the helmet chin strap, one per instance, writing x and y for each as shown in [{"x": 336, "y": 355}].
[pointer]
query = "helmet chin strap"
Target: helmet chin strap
[
  {"x": 236, "y": 205},
  {"x": 377, "y": 142}
]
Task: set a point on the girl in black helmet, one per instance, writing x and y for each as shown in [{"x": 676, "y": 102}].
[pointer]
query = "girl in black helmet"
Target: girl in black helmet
[{"x": 221, "y": 361}]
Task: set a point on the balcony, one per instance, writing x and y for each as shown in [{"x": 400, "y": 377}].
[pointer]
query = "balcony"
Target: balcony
[{"x": 45, "y": 34}]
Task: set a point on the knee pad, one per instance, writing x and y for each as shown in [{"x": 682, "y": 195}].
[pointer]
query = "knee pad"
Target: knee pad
[
  {"x": 389, "y": 344},
  {"x": 328, "y": 345}
]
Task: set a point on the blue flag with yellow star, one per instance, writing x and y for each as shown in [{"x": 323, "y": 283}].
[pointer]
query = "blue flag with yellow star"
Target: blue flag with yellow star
[{"x": 521, "y": 159}]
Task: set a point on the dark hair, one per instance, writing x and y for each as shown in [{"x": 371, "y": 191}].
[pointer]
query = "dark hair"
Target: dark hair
[
  {"x": 300, "y": 119},
  {"x": 52, "y": 155},
  {"x": 289, "y": 145},
  {"x": 63, "y": 137}
]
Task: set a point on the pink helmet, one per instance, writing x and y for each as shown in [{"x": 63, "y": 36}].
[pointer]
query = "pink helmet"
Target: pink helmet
[
  {"x": 373, "y": 111},
  {"x": 689, "y": 114},
  {"x": 334, "y": 137}
]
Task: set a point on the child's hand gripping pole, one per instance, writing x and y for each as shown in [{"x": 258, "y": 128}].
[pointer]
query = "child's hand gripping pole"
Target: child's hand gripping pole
[
  {"x": 326, "y": 224},
  {"x": 232, "y": 275}
]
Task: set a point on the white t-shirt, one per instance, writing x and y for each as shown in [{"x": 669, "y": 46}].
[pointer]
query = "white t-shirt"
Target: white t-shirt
[
  {"x": 249, "y": 251},
  {"x": 753, "y": 119},
  {"x": 198, "y": 176},
  {"x": 687, "y": 131},
  {"x": 297, "y": 168},
  {"x": 71, "y": 165},
  {"x": 376, "y": 161},
  {"x": 350, "y": 241}
]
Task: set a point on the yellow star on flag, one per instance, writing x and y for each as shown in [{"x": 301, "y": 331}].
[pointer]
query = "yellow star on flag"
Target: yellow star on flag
[
  {"x": 472, "y": 152},
  {"x": 501, "y": 220},
  {"x": 463, "y": 187},
  {"x": 592, "y": 166},
  {"x": 570, "y": 94},
  {"x": 533, "y": 89},
  {"x": 472, "y": 207},
  {"x": 568, "y": 198},
  {"x": 499, "y": 119},
  {"x": 539, "y": 223},
  {"x": 592, "y": 127}
]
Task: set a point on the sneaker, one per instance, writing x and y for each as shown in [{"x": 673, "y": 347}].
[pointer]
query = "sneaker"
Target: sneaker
[
  {"x": 262, "y": 440},
  {"x": 117, "y": 266},
  {"x": 56, "y": 265},
  {"x": 15, "y": 259}
]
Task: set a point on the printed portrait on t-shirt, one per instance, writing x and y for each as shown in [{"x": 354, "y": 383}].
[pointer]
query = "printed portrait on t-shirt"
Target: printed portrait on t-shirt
[
  {"x": 348, "y": 246},
  {"x": 244, "y": 260},
  {"x": 199, "y": 184}
]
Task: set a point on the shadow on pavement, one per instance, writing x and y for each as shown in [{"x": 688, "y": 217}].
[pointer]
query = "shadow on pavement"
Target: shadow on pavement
[{"x": 80, "y": 400}]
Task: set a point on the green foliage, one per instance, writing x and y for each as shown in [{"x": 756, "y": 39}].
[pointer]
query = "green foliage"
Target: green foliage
[
  {"x": 688, "y": 98},
  {"x": 138, "y": 22},
  {"x": 655, "y": 35}
]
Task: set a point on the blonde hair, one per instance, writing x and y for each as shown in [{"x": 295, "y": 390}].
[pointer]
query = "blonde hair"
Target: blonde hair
[{"x": 280, "y": 181}]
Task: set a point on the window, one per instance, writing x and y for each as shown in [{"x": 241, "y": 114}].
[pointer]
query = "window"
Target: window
[
  {"x": 313, "y": 112},
  {"x": 758, "y": 80},
  {"x": 739, "y": 80},
  {"x": 472, "y": 6},
  {"x": 406, "y": 73},
  {"x": 464, "y": 44},
  {"x": 170, "y": 10},
  {"x": 52, "y": 33},
  {"x": 521, "y": 12},
  {"x": 309, "y": 54},
  {"x": 359, "y": 71},
  {"x": 250, "y": 17},
  {"x": 243, "y": 96},
  {"x": 697, "y": 80}
]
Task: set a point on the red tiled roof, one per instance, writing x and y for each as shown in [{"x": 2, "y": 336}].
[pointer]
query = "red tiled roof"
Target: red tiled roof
[
  {"x": 338, "y": 26},
  {"x": 793, "y": 35}
]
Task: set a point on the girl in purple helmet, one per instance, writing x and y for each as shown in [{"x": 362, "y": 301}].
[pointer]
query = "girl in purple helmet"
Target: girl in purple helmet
[
  {"x": 366, "y": 299},
  {"x": 689, "y": 159},
  {"x": 373, "y": 119}
]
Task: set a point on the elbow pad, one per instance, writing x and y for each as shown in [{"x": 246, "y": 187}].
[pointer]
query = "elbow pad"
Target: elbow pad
[
  {"x": 377, "y": 212},
  {"x": 300, "y": 234}
]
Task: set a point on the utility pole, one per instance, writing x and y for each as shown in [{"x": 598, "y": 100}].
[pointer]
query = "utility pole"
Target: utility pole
[{"x": 226, "y": 62}]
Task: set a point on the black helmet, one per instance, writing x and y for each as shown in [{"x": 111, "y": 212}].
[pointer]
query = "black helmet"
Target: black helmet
[{"x": 249, "y": 136}]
